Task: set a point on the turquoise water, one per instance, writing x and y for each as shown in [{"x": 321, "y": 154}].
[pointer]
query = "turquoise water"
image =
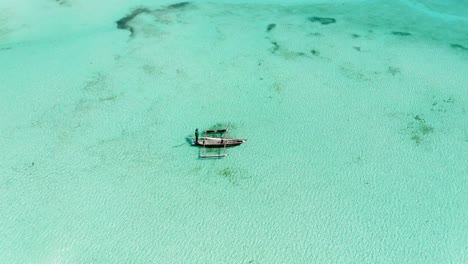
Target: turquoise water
[{"x": 357, "y": 132}]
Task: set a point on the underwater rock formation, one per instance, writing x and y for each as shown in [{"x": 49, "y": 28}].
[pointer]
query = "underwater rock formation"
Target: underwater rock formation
[{"x": 322, "y": 20}]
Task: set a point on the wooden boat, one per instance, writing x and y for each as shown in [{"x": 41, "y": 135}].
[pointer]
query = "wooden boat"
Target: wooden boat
[
  {"x": 214, "y": 142},
  {"x": 208, "y": 140}
]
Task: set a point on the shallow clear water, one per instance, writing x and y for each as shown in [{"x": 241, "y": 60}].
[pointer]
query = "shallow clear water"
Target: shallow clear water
[{"x": 357, "y": 132}]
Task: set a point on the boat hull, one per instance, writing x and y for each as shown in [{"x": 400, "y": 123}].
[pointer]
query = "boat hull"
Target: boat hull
[{"x": 209, "y": 142}]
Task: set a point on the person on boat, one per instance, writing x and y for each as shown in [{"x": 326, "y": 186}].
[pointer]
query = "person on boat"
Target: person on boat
[{"x": 196, "y": 135}]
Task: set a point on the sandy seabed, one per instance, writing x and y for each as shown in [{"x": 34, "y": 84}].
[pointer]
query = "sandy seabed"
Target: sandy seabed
[{"x": 355, "y": 114}]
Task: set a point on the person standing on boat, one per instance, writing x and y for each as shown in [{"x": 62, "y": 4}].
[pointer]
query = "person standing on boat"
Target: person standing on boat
[{"x": 196, "y": 135}]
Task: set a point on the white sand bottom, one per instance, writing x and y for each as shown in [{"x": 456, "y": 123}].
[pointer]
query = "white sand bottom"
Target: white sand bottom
[{"x": 357, "y": 134}]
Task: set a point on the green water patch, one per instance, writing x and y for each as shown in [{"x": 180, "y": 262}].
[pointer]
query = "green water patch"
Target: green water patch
[
  {"x": 130, "y": 144},
  {"x": 447, "y": 8},
  {"x": 62, "y": 121}
]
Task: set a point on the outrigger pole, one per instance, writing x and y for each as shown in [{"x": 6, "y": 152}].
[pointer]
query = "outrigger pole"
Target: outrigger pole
[{"x": 224, "y": 132}]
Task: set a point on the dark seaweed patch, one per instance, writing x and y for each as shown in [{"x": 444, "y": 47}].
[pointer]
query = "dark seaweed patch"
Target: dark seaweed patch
[
  {"x": 231, "y": 175},
  {"x": 275, "y": 47},
  {"x": 124, "y": 22},
  {"x": 449, "y": 100},
  {"x": 7, "y": 48},
  {"x": 458, "y": 46},
  {"x": 227, "y": 172},
  {"x": 399, "y": 33},
  {"x": 357, "y": 48},
  {"x": 149, "y": 69},
  {"x": 315, "y": 52},
  {"x": 62, "y": 2},
  {"x": 322, "y": 20},
  {"x": 292, "y": 54},
  {"x": 178, "y": 5},
  {"x": 315, "y": 34},
  {"x": 97, "y": 83},
  {"x": 270, "y": 27},
  {"x": 108, "y": 98},
  {"x": 277, "y": 87},
  {"x": 419, "y": 129},
  {"x": 354, "y": 35},
  {"x": 353, "y": 73},
  {"x": 442, "y": 106},
  {"x": 393, "y": 70}
]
